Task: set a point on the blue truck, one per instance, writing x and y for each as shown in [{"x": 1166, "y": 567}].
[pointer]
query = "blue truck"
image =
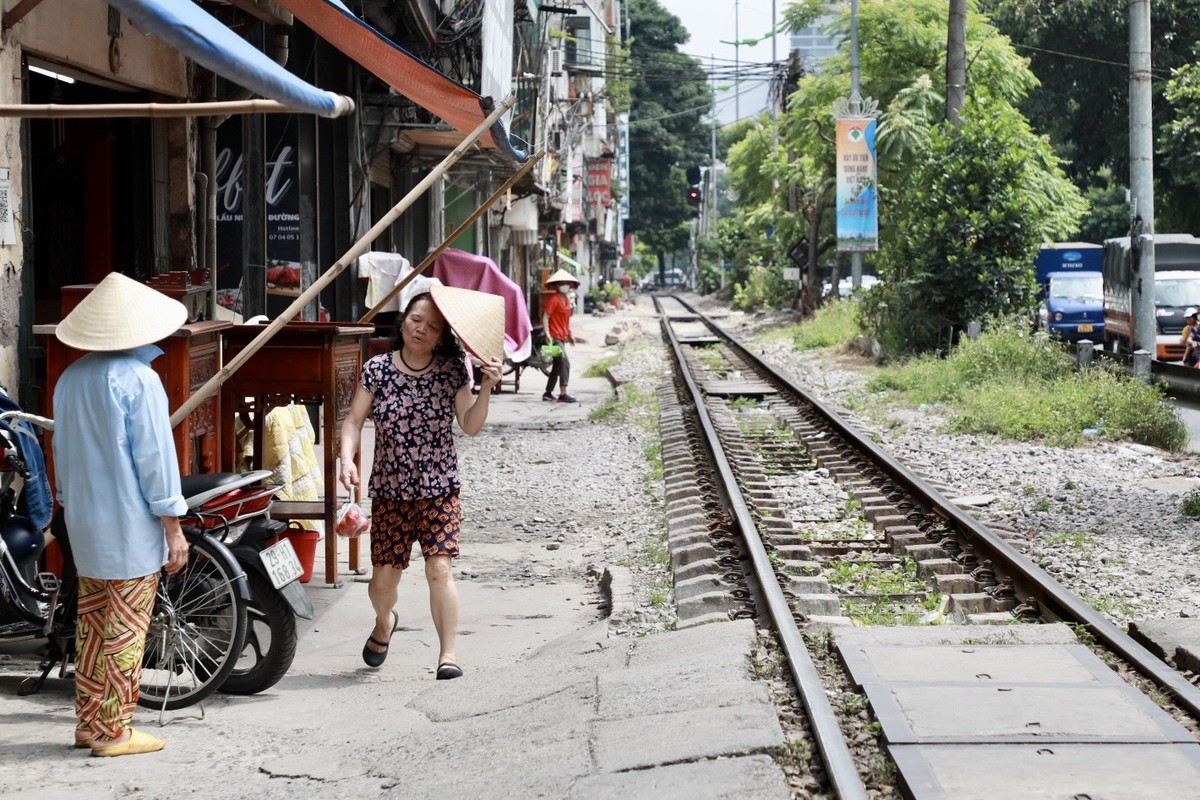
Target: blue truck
[{"x": 1071, "y": 291}]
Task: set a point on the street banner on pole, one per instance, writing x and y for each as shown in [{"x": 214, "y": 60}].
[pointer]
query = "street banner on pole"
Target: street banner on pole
[{"x": 857, "y": 217}]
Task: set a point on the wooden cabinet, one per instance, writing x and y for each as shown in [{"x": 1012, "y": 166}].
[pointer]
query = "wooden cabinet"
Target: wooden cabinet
[{"x": 310, "y": 363}]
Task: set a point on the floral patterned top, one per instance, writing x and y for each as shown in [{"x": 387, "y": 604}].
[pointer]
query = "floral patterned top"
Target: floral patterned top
[{"x": 414, "y": 415}]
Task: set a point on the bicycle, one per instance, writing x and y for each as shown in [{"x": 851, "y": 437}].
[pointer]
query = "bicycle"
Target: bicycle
[{"x": 198, "y": 624}]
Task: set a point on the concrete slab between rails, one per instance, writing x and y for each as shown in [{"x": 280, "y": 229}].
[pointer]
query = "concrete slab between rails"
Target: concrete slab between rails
[
  {"x": 926, "y": 693},
  {"x": 751, "y": 776},
  {"x": 1166, "y": 637},
  {"x": 1022, "y": 771},
  {"x": 1053, "y": 633}
]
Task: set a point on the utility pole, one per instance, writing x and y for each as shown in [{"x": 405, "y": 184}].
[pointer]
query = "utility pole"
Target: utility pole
[
  {"x": 956, "y": 60},
  {"x": 1141, "y": 179},
  {"x": 737, "y": 65}
]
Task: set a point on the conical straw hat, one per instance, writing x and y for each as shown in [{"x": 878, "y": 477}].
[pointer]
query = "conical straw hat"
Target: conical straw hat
[
  {"x": 562, "y": 276},
  {"x": 477, "y": 318},
  {"x": 120, "y": 313}
]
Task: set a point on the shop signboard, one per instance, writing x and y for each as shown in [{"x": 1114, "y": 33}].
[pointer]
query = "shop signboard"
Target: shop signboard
[{"x": 282, "y": 209}]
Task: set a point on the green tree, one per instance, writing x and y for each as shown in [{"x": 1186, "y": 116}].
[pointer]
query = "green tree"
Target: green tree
[
  {"x": 670, "y": 99},
  {"x": 1079, "y": 51},
  {"x": 979, "y": 202}
]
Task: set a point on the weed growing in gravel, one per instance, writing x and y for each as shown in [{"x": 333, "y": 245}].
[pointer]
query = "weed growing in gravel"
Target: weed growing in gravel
[
  {"x": 1069, "y": 485},
  {"x": 767, "y": 664},
  {"x": 1024, "y": 387},
  {"x": 868, "y": 578},
  {"x": 831, "y": 325},
  {"x": 657, "y": 552},
  {"x": 743, "y": 403},
  {"x": 793, "y": 755},
  {"x": 635, "y": 405},
  {"x": 1083, "y": 633},
  {"x": 853, "y": 703},
  {"x": 711, "y": 358},
  {"x": 654, "y": 473},
  {"x": 879, "y": 612},
  {"x": 1112, "y": 606},
  {"x": 1077, "y": 541},
  {"x": 600, "y": 368},
  {"x": 1191, "y": 503},
  {"x": 1043, "y": 504}
]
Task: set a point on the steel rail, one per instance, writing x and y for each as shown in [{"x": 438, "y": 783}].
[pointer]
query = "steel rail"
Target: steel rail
[
  {"x": 835, "y": 754},
  {"x": 1047, "y": 591}
]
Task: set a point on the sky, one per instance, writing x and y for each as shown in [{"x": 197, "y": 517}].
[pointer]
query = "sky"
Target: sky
[{"x": 711, "y": 23}]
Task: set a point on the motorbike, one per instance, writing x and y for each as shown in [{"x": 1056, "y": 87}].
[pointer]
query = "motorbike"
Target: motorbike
[
  {"x": 232, "y": 610},
  {"x": 197, "y": 626},
  {"x": 234, "y": 508}
]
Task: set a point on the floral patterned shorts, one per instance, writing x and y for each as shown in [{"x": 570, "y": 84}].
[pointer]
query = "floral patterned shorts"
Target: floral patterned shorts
[{"x": 432, "y": 522}]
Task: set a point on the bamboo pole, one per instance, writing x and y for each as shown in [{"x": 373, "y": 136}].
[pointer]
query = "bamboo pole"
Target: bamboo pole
[
  {"x": 360, "y": 247},
  {"x": 468, "y": 222},
  {"x": 343, "y": 105}
]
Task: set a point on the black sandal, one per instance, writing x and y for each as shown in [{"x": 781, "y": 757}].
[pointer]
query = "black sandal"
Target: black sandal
[
  {"x": 375, "y": 658},
  {"x": 448, "y": 671}
]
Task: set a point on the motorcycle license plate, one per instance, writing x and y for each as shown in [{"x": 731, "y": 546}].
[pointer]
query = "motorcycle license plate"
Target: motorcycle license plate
[
  {"x": 282, "y": 565},
  {"x": 1085, "y": 328}
]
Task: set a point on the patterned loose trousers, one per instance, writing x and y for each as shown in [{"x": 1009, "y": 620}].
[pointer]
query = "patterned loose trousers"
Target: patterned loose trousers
[{"x": 109, "y": 641}]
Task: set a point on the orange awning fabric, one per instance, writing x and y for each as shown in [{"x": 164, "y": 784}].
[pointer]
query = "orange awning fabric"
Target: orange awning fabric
[{"x": 410, "y": 76}]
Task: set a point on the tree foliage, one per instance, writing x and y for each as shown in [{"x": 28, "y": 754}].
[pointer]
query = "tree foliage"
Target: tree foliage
[
  {"x": 1079, "y": 52},
  {"x": 669, "y": 100},
  {"x": 979, "y": 202}
]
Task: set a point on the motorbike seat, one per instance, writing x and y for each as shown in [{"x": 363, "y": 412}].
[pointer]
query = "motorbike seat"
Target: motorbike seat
[
  {"x": 198, "y": 489},
  {"x": 195, "y": 484}
]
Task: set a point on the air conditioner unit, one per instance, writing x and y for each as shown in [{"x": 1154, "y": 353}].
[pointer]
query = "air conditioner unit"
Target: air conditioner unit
[{"x": 556, "y": 60}]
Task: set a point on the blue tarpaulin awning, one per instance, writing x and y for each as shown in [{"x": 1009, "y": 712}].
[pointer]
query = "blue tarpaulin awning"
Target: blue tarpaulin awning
[{"x": 206, "y": 40}]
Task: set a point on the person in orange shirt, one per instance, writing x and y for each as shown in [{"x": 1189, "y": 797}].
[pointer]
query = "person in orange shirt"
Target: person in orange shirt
[{"x": 556, "y": 322}]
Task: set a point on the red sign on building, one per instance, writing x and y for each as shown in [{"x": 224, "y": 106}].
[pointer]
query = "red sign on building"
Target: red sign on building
[{"x": 599, "y": 185}]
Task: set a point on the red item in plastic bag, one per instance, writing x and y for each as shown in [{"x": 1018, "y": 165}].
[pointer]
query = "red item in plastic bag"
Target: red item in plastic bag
[{"x": 351, "y": 521}]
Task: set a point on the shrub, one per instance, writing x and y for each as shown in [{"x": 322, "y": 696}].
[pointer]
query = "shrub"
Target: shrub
[{"x": 833, "y": 323}]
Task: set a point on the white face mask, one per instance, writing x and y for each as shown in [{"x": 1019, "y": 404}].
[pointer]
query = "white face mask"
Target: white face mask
[{"x": 562, "y": 287}]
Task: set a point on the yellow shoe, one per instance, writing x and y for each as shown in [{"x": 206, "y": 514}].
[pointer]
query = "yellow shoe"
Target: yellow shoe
[{"x": 137, "y": 742}]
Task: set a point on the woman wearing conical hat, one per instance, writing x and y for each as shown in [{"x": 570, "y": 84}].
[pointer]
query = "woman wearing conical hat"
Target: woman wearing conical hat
[
  {"x": 414, "y": 394},
  {"x": 118, "y": 483},
  {"x": 556, "y": 322}
]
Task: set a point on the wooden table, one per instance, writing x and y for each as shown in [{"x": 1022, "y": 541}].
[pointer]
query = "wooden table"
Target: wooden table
[
  {"x": 310, "y": 363},
  {"x": 190, "y": 360}
]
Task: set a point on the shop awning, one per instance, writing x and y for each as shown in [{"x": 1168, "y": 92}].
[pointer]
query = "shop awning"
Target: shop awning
[
  {"x": 204, "y": 39},
  {"x": 437, "y": 93}
]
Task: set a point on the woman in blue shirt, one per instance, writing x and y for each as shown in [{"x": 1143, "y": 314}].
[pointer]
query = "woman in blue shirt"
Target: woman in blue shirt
[{"x": 118, "y": 483}]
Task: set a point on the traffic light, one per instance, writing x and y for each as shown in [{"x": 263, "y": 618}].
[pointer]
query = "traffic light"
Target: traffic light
[{"x": 693, "y": 195}]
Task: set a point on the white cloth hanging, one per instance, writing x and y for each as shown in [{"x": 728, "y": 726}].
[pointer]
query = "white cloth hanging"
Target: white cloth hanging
[{"x": 382, "y": 271}]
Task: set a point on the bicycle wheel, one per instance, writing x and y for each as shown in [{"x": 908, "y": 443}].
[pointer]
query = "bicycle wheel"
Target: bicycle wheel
[
  {"x": 270, "y": 640},
  {"x": 197, "y": 628}
]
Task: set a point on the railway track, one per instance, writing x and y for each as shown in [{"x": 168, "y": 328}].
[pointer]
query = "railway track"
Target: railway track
[{"x": 904, "y": 639}]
